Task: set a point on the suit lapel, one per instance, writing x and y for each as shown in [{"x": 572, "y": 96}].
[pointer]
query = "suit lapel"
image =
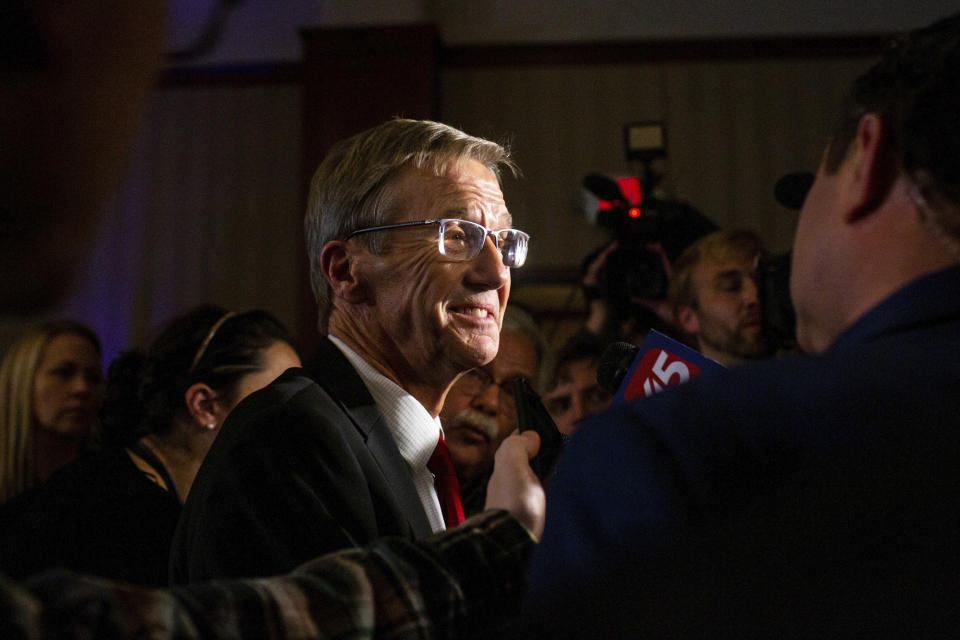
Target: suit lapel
[
  {"x": 383, "y": 447},
  {"x": 333, "y": 372}
]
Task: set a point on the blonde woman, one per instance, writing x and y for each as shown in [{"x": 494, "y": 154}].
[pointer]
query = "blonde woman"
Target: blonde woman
[{"x": 51, "y": 387}]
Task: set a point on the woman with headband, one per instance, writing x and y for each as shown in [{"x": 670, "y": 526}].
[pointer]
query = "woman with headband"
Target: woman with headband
[{"x": 113, "y": 514}]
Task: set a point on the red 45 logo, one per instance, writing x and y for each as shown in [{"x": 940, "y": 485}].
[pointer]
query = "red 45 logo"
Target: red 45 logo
[{"x": 658, "y": 370}]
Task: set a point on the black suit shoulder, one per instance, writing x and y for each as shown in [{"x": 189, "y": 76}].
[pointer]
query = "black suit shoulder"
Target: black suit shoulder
[{"x": 288, "y": 478}]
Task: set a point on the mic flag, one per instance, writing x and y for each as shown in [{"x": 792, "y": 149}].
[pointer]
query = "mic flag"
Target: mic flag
[{"x": 660, "y": 362}]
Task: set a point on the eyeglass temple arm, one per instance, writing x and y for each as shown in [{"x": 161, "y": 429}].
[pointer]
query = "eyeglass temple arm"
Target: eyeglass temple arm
[{"x": 418, "y": 223}]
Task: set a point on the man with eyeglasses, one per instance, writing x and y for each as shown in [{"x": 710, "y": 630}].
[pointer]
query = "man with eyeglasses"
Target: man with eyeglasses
[
  {"x": 410, "y": 245},
  {"x": 480, "y": 412},
  {"x": 467, "y": 578}
]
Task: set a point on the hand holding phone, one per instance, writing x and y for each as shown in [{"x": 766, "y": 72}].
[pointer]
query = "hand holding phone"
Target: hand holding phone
[{"x": 533, "y": 416}]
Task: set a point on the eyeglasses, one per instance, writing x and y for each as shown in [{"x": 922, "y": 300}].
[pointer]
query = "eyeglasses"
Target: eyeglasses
[
  {"x": 462, "y": 240},
  {"x": 476, "y": 381}
]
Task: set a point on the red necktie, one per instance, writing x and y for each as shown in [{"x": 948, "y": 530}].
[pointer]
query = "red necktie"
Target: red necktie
[{"x": 445, "y": 480}]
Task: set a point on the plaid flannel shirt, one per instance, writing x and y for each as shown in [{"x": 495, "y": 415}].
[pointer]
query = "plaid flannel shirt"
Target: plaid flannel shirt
[{"x": 462, "y": 583}]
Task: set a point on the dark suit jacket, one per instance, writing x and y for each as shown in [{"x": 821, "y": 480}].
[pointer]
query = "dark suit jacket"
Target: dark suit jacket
[
  {"x": 810, "y": 497},
  {"x": 302, "y": 467}
]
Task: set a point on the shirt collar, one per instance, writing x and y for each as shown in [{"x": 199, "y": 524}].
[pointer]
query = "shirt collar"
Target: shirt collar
[{"x": 415, "y": 431}]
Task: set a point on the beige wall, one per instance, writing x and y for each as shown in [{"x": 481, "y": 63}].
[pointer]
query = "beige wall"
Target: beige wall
[
  {"x": 209, "y": 211},
  {"x": 733, "y": 128}
]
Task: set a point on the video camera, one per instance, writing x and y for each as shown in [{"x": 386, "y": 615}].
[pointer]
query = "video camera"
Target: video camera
[
  {"x": 638, "y": 221},
  {"x": 634, "y": 270}
]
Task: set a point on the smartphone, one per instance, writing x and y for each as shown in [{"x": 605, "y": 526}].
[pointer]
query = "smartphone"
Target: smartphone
[{"x": 532, "y": 415}]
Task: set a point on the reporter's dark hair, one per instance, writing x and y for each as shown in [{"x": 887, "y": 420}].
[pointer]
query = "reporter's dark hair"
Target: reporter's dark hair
[
  {"x": 207, "y": 344},
  {"x": 915, "y": 89}
]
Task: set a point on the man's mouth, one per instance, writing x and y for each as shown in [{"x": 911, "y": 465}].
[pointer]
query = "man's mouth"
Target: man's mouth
[
  {"x": 480, "y": 312},
  {"x": 478, "y": 426},
  {"x": 751, "y": 321}
]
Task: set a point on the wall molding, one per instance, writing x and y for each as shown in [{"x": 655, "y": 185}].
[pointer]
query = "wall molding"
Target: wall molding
[
  {"x": 648, "y": 51},
  {"x": 239, "y": 74},
  {"x": 565, "y": 54}
]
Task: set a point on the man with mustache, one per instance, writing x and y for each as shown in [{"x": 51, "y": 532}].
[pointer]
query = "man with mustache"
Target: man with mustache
[
  {"x": 480, "y": 412},
  {"x": 714, "y": 296},
  {"x": 410, "y": 245}
]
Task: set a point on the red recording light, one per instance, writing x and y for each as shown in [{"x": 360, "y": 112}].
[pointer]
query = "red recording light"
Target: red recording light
[
  {"x": 631, "y": 189},
  {"x": 631, "y": 192}
]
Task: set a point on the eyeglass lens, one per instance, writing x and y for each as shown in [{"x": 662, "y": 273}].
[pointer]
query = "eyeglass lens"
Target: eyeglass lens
[
  {"x": 476, "y": 381},
  {"x": 463, "y": 240}
]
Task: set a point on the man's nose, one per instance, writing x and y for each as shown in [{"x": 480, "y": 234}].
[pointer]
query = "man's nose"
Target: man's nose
[
  {"x": 750, "y": 292},
  {"x": 488, "y": 270},
  {"x": 577, "y": 407},
  {"x": 488, "y": 400}
]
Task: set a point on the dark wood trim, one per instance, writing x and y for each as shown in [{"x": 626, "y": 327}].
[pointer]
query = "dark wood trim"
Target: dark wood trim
[
  {"x": 276, "y": 73},
  {"x": 393, "y": 40},
  {"x": 557, "y": 54},
  {"x": 644, "y": 51}
]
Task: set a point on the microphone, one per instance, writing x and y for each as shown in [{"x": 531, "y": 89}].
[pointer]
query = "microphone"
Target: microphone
[{"x": 660, "y": 362}]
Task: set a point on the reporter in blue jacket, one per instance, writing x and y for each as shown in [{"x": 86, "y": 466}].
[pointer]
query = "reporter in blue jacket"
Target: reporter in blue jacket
[{"x": 806, "y": 497}]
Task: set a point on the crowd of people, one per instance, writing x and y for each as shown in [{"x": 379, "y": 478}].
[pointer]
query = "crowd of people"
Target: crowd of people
[
  {"x": 386, "y": 488},
  {"x": 113, "y": 511}
]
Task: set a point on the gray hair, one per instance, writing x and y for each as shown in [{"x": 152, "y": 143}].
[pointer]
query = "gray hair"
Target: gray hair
[
  {"x": 351, "y": 188},
  {"x": 518, "y": 321}
]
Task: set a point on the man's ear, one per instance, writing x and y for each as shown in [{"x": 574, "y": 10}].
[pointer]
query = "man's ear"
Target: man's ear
[
  {"x": 339, "y": 267},
  {"x": 688, "y": 319},
  {"x": 202, "y": 407},
  {"x": 873, "y": 168}
]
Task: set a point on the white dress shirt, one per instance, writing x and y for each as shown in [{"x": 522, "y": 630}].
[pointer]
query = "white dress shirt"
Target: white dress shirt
[{"x": 415, "y": 431}]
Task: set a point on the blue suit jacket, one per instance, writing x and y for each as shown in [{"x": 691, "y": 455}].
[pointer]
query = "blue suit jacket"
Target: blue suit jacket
[
  {"x": 303, "y": 467},
  {"x": 807, "y": 497}
]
